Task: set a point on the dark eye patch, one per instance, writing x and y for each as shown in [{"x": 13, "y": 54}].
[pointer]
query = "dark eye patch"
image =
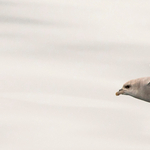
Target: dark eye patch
[{"x": 127, "y": 86}]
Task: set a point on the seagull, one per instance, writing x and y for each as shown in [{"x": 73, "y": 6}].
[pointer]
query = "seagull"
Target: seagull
[{"x": 138, "y": 88}]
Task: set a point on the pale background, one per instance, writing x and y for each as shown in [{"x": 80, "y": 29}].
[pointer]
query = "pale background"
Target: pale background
[{"x": 61, "y": 62}]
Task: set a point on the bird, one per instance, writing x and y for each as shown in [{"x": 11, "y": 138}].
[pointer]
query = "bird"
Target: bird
[{"x": 138, "y": 88}]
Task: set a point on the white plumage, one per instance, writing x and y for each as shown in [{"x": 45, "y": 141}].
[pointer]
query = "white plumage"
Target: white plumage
[{"x": 138, "y": 88}]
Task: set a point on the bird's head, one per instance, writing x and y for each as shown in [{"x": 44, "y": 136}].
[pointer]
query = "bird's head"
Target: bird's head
[
  {"x": 138, "y": 88},
  {"x": 131, "y": 88}
]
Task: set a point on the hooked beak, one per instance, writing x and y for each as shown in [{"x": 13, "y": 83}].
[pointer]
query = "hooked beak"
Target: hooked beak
[{"x": 119, "y": 92}]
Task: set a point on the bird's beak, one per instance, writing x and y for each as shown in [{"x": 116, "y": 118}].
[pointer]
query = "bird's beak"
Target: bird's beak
[{"x": 121, "y": 91}]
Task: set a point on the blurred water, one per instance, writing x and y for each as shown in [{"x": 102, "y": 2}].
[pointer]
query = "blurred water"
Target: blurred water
[{"x": 61, "y": 63}]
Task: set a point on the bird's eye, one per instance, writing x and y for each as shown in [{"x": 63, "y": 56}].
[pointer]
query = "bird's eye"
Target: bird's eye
[{"x": 127, "y": 86}]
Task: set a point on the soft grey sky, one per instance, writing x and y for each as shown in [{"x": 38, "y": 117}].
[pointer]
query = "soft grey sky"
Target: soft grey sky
[{"x": 61, "y": 63}]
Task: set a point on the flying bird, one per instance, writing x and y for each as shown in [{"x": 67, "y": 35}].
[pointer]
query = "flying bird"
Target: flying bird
[{"x": 138, "y": 88}]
